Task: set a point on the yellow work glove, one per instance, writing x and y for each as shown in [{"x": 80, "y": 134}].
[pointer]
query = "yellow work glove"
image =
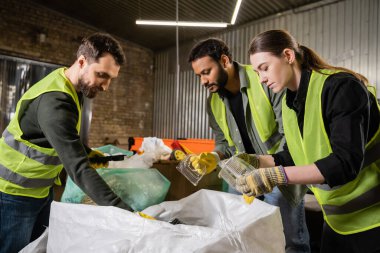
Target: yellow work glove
[
  {"x": 261, "y": 181},
  {"x": 145, "y": 216},
  {"x": 205, "y": 161},
  {"x": 96, "y": 165},
  {"x": 251, "y": 159}
]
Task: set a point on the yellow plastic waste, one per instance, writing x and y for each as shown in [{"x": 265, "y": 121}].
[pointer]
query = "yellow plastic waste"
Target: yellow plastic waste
[
  {"x": 146, "y": 216},
  {"x": 248, "y": 199},
  {"x": 178, "y": 155}
]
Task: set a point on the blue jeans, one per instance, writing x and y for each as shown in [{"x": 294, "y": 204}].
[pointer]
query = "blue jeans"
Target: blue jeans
[
  {"x": 22, "y": 220},
  {"x": 293, "y": 220}
]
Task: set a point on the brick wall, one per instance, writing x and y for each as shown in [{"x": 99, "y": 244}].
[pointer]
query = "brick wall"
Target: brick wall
[{"x": 125, "y": 109}]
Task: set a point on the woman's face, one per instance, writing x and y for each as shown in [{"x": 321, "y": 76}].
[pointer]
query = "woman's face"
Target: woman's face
[{"x": 275, "y": 72}]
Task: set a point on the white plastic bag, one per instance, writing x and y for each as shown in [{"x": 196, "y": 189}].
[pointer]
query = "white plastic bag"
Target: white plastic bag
[
  {"x": 154, "y": 149},
  {"x": 143, "y": 161},
  {"x": 213, "y": 222}
]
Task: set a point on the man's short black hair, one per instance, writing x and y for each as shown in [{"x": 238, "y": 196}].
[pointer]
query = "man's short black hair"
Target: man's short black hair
[
  {"x": 212, "y": 47},
  {"x": 94, "y": 46}
]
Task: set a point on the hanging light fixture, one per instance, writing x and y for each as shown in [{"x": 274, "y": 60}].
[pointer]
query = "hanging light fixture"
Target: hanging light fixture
[
  {"x": 191, "y": 23},
  {"x": 236, "y": 11},
  {"x": 180, "y": 23}
]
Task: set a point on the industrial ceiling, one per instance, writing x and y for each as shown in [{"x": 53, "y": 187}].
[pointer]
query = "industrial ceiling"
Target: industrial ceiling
[{"x": 118, "y": 16}]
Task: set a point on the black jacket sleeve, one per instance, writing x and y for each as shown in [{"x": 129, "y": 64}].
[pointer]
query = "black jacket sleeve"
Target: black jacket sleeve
[
  {"x": 57, "y": 118},
  {"x": 283, "y": 157}
]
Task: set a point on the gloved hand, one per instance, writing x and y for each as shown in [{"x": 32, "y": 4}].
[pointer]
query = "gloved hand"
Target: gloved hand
[
  {"x": 97, "y": 165},
  {"x": 252, "y": 159},
  {"x": 145, "y": 216},
  {"x": 207, "y": 160},
  {"x": 261, "y": 181}
]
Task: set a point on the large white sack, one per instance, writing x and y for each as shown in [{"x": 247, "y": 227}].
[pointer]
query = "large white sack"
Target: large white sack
[
  {"x": 216, "y": 222},
  {"x": 38, "y": 245}
]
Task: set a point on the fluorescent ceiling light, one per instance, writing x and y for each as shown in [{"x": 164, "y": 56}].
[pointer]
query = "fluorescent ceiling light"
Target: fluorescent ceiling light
[
  {"x": 236, "y": 11},
  {"x": 180, "y": 23},
  {"x": 192, "y": 24}
]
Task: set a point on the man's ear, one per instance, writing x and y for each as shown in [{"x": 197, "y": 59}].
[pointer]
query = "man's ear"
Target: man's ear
[
  {"x": 289, "y": 55},
  {"x": 82, "y": 61},
  {"x": 225, "y": 60}
]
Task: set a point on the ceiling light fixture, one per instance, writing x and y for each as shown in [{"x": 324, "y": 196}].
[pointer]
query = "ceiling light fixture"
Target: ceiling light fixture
[
  {"x": 190, "y": 23},
  {"x": 236, "y": 11},
  {"x": 180, "y": 23}
]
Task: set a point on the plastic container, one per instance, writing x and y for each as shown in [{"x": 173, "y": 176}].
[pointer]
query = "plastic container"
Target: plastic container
[
  {"x": 233, "y": 168},
  {"x": 186, "y": 169}
]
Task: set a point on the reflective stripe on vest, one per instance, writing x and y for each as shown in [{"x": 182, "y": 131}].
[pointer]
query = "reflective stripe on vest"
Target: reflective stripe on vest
[
  {"x": 261, "y": 110},
  {"x": 273, "y": 141},
  {"x": 365, "y": 200},
  {"x": 29, "y": 151},
  {"x": 24, "y": 181},
  {"x": 349, "y": 208}
]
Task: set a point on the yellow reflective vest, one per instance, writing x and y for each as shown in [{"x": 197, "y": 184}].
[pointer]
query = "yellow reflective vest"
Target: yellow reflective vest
[
  {"x": 261, "y": 110},
  {"x": 25, "y": 168},
  {"x": 355, "y": 206}
]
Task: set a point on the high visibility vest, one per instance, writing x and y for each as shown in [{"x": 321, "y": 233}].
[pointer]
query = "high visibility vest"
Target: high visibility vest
[
  {"x": 261, "y": 110},
  {"x": 355, "y": 206},
  {"x": 25, "y": 168}
]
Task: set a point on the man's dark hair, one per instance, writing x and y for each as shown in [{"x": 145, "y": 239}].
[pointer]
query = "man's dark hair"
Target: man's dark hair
[
  {"x": 94, "y": 46},
  {"x": 212, "y": 47}
]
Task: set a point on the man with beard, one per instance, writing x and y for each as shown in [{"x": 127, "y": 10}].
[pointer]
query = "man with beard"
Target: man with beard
[
  {"x": 43, "y": 137},
  {"x": 245, "y": 117}
]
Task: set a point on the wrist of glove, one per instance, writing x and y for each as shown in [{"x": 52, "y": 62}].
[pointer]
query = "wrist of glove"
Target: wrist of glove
[
  {"x": 251, "y": 159},
  {"x": 205, "y": 163},
  {"x": 96, "y": 165},
  {"x": 261, "y": 181}
]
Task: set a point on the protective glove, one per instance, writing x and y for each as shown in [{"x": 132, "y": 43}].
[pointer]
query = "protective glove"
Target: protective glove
[
  {"x": 207, "y": 160},
  {"x": 145, "y": 216},
  {"x": 97, "y": 165},
  {"x": 261, "y": 181},
  {"x": 251, "y": 159}
]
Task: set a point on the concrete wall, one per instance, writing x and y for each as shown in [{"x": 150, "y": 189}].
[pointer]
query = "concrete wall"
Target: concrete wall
[{"x": 126, "y": 109}]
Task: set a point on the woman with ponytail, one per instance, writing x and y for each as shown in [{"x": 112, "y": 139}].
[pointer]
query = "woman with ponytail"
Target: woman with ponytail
[{"x": 332, "y": 129}]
